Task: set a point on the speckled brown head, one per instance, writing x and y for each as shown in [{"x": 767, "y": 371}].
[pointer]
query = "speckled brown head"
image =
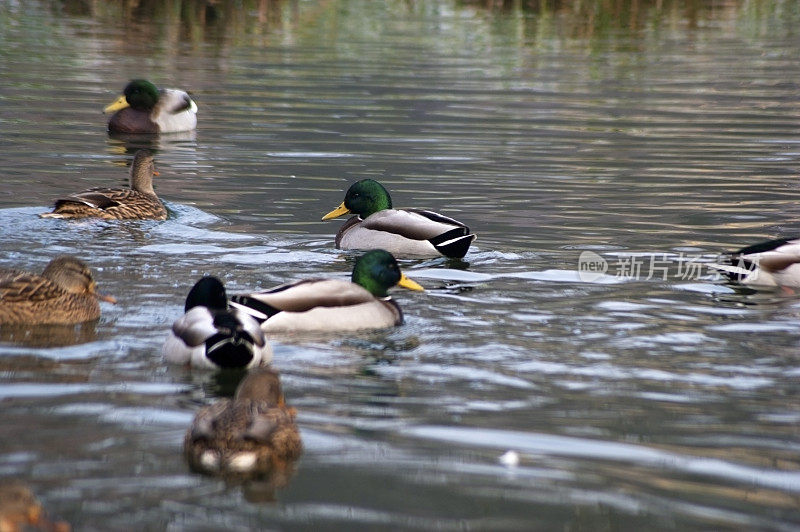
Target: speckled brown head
[
  {"x": 262, "y": 385},
  {"x": 74, "y": 276}
]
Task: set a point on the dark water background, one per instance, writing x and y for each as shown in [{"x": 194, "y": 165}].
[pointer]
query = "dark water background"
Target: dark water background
[{"x": 650, "y": 133}]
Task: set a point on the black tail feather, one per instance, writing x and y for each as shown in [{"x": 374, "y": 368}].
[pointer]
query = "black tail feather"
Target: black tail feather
[
  {"x": 255, "y": 304},
  {"x": 740, "y": 268},
  {"x": 454, "y": 243},
  {"x": 233, "y": 350}
]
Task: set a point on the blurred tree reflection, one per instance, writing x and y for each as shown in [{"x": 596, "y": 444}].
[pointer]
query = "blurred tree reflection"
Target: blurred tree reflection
[{"x": 191, "y": 23}]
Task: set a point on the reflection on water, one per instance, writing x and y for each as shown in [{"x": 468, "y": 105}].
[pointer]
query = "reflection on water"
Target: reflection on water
[
  {"x": 657, "y": 129},
  {"x": 126, "y": 144},
  {"x": 48, "y": 335}
]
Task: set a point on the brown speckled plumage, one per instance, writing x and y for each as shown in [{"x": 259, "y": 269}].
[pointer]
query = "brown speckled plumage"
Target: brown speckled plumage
[
  {"x": 63, "y": 294},
  {"x": 20, "y": 511},
  {"x": 139, "y": 202},
  {"x": 255, "y": 424},
  {"x": 18, "y": 507}
]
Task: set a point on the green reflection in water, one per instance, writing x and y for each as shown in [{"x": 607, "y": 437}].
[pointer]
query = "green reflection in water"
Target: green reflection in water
[{"x": 189, "y": 24}]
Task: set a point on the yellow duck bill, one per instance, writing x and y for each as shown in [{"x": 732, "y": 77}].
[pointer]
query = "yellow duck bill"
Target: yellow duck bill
[
  {"x": 338, "y": 211},
  {"x": 405, "y": 282},
  {"x": 119, "y": 103}
]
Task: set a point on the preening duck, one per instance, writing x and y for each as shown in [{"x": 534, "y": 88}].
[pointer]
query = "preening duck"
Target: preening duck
[
  {"x": 254, "y": 433},
  {"x": 139, "y": 202},
  {"x": 212, "y": 335},
  {"x": 143, "y": 108},
  {"x": 770, "y": 263},
  {"x": 403, "y": 232},
  {"x": 333, "y": 304},
  {"x": 65, "y": 293}
]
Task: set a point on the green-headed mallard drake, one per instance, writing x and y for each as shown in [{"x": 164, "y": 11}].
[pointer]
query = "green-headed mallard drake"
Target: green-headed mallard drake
[
  {"x": 143, "y": 108},
  {"x": 65, "y": 293},
  {"x": 770, "y": 263},
  {"x": 403, "y": 232},
  {"x": 212, "y": 335},
  {"x": 139, "y": 202},
  {"x": 333, "y": 304},
  {"x": 252, "y": 434}
]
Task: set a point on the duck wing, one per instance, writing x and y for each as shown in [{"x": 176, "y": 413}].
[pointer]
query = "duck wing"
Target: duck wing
[
  {"x": 769, "y": 245},
  {"x": 16, "y": 286},
  {"x": 174, "y": 101},
  {"x": 110, "y": 203},
  {"x": 772, "y": 255},
  {"x": 413, "y": 224},
  {"x": 195, "y": 327},
  {"x": 97, "y": 198},
  {"x": 265, "y": 420},
  {"x": 301, "y": 296},
  {"x": 204, "y": 426},
  {"x": 449, "y": 236}
]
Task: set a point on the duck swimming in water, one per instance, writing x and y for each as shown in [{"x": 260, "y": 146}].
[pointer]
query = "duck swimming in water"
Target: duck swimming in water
[
  {"x": 253, "y": 433},
  {"x": 402, "y": 232},
  {"x": 65, "y": 293},
  {"x": 212, "y": 335},
  {"x": 139, "y": 202},
  {"x": 143, "y": 108},
  {"x": 333, "y": 304},
  {"x": 771, "y": 263}
]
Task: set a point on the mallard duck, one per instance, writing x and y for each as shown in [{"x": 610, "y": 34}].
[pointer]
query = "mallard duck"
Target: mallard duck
[
  {"x": 254, "y": 433},
  {"x": 20, "y": 511},
  {"x": 404, "y": 232},
  {"x": 142, "y": 108},
  {"x": 65, "y": 293},
  {"x": 212, "y": 335},
  {"x": 333, "y": 304},
  {"x": 139, "y": 202},
  {"x": 19, "y": 508},
  {"x": 770, "y": 263}
]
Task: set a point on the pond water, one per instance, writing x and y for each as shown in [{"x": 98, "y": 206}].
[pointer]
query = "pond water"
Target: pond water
[{"x": 655, "y": 137}]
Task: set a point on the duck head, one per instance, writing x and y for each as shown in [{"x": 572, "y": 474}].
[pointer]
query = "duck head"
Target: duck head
[
  {"x": 363, "y": 198},
  {"x": 207, "y": 292},
  {"x": 378, "y": 271},
  {"x": 139, "y": 94},
  {"x": 262, "y": 385},
  {"x": 74, "y": 276}
]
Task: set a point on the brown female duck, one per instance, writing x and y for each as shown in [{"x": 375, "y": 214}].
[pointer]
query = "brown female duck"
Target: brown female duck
[
  {"x": 65, "y": 293},
  {"x": 20, "y": 511},
  {"x": 252, "y": 434},
  {"x": 139, "y": 202}
]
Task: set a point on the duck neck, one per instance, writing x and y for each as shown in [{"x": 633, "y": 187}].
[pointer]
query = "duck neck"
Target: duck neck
[
  {"x": 379, "y": 201},
  {"x": 142, "y": 177},
  {"x": 372, "y": 285}
]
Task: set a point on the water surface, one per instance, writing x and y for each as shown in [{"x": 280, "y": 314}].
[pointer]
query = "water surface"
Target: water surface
[{"x": 653, "y": 396}]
